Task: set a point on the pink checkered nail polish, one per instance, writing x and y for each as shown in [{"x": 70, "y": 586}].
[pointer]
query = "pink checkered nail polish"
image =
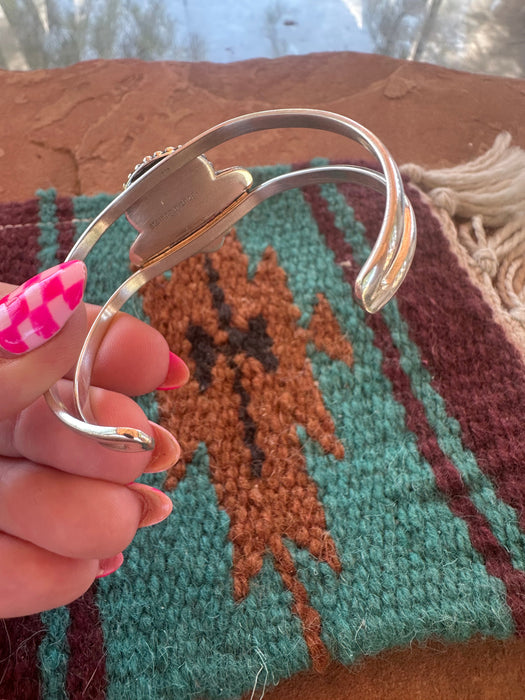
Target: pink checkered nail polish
[{"x": 36, "y": 311}]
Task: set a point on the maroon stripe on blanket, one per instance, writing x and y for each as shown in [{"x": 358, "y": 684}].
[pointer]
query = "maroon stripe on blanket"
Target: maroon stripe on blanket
[
  {"x": 65, "y": 226},
  {"x": 86, "y": 671},
  {"x": 448, "y": 479},
  {"x": 19, "y": 233},
  {"x": 486, "y": 397},
  {"x": 19, "y": 671}
]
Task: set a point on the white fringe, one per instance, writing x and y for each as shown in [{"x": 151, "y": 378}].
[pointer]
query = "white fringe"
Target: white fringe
[{"x": 487, "y": 199}]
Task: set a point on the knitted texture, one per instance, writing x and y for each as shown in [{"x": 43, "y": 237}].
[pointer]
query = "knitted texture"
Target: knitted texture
[{"x": 348, "y": 483}]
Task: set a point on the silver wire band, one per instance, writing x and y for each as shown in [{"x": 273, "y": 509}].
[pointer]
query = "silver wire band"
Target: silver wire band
[{"x": 377, "y": 282}]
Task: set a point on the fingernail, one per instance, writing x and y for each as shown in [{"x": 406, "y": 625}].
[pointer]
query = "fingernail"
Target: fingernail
[
  {"x": 166, "y": 452},
  {"x": 109, "y": 566},
  {"x": 156, "y": 505},
  {"x": 178, "y": 374},
  {"x": 35, "y": 312}
]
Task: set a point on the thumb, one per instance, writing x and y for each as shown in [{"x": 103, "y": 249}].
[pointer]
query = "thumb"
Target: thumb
[{"x": 42, "y": 327}]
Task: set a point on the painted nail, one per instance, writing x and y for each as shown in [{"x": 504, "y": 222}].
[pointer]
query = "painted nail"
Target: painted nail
[
  {"x": 35, "y": 312},
  {"x": 166, "y": 452},
  {"x": 178, "y": 374},
  {"x": 156, "y": 505},
  {"x": 110, "y": 565}
]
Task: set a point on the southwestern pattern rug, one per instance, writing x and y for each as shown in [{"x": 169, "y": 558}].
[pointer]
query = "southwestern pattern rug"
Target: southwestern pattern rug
[{"x": 349, "y": 483}]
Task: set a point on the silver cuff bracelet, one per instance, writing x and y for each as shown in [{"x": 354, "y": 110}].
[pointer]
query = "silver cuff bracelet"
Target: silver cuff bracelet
[{"x": 180, "y": 206}]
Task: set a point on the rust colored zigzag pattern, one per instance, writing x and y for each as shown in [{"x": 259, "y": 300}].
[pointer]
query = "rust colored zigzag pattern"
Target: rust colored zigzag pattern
[{"x": 251, "y": 385}]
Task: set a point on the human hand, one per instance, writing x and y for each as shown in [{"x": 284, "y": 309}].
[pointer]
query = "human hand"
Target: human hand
[{"x": 69, "y": 506}]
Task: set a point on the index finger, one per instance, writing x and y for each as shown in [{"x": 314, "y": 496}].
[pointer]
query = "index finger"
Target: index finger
[{"x": 42, "y": 330}]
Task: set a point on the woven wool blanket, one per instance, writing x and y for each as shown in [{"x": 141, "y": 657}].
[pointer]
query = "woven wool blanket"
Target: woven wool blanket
[{"x": 349, "y": 483}]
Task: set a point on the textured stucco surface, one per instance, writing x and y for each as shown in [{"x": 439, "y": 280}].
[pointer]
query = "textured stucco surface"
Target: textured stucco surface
[{"x": 81, "y": 129}]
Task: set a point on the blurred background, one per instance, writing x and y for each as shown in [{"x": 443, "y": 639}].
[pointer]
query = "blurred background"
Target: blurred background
[{"x": 485, "y": 36}]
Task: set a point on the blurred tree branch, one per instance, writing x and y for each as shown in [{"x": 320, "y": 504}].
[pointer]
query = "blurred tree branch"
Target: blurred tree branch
[
  {"x": 53, "y": 33},
  {"x": 487, "y": 36}
]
